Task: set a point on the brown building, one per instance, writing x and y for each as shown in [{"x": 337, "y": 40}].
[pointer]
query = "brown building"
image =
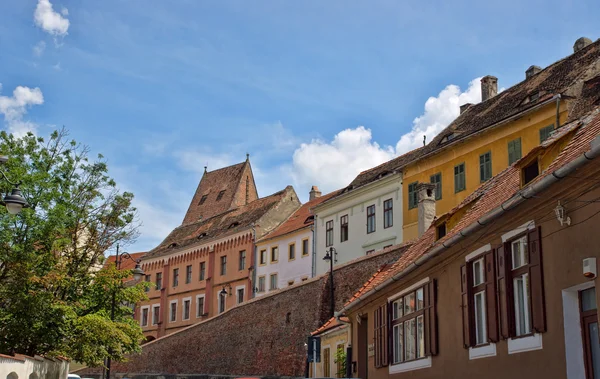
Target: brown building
[
  {"x": 503, "y": 285},
  {"x": 205, "y": 265}
]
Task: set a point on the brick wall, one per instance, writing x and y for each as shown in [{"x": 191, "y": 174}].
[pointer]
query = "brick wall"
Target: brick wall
[{"x": 264, "y": 336}]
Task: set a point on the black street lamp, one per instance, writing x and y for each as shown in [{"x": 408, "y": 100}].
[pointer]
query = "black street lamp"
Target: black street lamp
[
  {"x": 331, "y": 256},
  {"x": 15, "y": 201},
  {"x": 137, "y": 275}
]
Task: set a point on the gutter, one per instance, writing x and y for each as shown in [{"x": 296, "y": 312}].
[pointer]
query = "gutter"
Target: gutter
[{"x": 517, "y": 199}]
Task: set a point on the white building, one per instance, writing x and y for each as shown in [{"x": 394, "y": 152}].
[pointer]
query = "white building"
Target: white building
[
  {"x": 285, "y": 256},
  {"x": 364, "y": 217}
]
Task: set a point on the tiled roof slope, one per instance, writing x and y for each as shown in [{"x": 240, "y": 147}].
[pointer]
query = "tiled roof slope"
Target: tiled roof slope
[
  {"x": 232, "y": 180},
  {"x": 332, "y": 323},
  {"x": 126, "y": 264},
  {"x": 576, "y": 78},
  {"x": 487, "y": 197},
  {"x": 299, "y": 219},
  {"x": 221, "y": 225}
]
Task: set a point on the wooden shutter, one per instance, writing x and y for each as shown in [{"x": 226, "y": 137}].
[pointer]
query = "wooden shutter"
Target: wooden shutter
[
  {"x": 536, "y": 280},
  {"x": 385, "y": 340},
  {"x": 431, "y": 342},
  {"x": 465, "y": 306},
  {"x": 504, "y": 290},
  {"x": 376, "y": 328},
  {"x": 490, "y": 297}
]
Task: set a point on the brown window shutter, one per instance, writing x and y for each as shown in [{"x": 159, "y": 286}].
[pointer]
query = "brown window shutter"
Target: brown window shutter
[
  {"x": 490, "y": 297},
  {"x": 504, "y": 291},
  {"x": 536, "y": 280},
  {"x": 376, "y": 329},
  {"x": 466, "y": 314},
  {"x": 385, "y": 339},
  {"x": 431, "y": 337}
]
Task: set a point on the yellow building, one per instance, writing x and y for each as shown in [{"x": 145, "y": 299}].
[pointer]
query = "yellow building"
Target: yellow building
[
  {"x": 334, "y": 343},
  {"x": 488, "y": 137}
]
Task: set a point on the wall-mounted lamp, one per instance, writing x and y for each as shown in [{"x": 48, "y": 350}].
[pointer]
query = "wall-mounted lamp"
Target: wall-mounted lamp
[
  {"x": 225, "y": 288},
  {"x": 561, "y": 215}
]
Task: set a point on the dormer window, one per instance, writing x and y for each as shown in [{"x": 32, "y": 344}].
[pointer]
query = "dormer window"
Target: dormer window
[
  {"x": 440, "y": 230},
  {"x": 172, "y": 245},
  {"x": 309, "y": 219},
  {"x": 530, "y": 172},
  {"x": 201, "y": 235},
  {"x": 534, "y": 96},
  {"x": 448, "y": 137},
  {"x": 234, "y": 224},
  {"x": 203, "y": 199},
  {"x": 220, "y": 195}
]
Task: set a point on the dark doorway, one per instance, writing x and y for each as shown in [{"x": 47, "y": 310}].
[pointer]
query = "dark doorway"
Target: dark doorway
[{"x": 363, "y": 348}]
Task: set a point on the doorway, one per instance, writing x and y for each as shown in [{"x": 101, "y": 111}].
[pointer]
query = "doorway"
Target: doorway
[
  {"x": 589, "y": 329},
  {"x": 363, "y": 347}
]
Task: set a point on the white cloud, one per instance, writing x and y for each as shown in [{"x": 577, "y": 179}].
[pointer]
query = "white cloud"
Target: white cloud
[
  {"x": 332, "y": 165},
  {"x": 57, "y": 67},
  {"x": 39, "y": 48},
  {"x": 440, "y": 111},
  {"x": 50, "y": 21},
  {"x": 14, "y": 107},
  {"x": 193, "y": 160},
  {"x": 64, "y": 11}
]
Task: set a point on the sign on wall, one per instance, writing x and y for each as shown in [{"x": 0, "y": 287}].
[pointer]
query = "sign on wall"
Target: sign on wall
[{"x": 314, "y": 349}]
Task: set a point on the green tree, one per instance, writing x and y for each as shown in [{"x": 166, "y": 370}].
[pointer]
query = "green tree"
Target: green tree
[{"x": 53, "y": 299}]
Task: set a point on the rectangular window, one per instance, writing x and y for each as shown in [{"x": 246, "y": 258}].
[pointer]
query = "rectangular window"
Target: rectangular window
[
  {"x": 263, "y": 257},
  {"x": 240, "y": 295},
  {"x": 273, "y": 282},
  {"x": 186, "y": 309},
  {"x": 144, "y": 316},
  {"x": 412, "y": 195},
  {"x": 159, "y": 281},
  {"x": 460, "y": 182},
  {"x": 305, "y": 247},
  {"x": 326, "y": 363},
  {"x": 223, "y": 265},
  {"x": 261, "y": 284},
  {"x": 291, "y": 252},
  {"x": 222, "y": 300},
  {"x": 147, "y": 278},
  {"x": 485, "y": 166},
  {"x": 274, "y": 254},
  {"x": 175, "y": 277},
  {"x": 155, "y": 314},
  {"x": 344, "y": 228},
  {"x": 329, "y": 233},
  {"x": 521, "y": 294},
  {"x": 514, "y": 150},
  {"x": 188, "y": 274},
  {"x": 545, "y": 132},
  {"x": 202, "y": 270},
  {"x": 380, "y": 340},
  {"x": 341, "y": 373},
  {"x": 388, "y": 213},
  {"x": 242, "y": 260},
  {"x": 371, "y": 218},
  {"x": 173, "y": 312},
  {"x": 437, "y": 180},
  {"x": 199, "y": 306}
]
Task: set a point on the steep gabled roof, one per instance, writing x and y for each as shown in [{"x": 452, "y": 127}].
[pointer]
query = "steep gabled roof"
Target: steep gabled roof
[
  {"x": 488, "y": 197},
  {"x": 126, "y": 264},
  {"x": 221, "y": 225},
  {"x": 221, "y": 190},
  {"x": 299, "y": 219}
]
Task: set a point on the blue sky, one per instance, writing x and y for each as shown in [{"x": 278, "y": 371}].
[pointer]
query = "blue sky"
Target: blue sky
[{"x": 315, "y": 91}]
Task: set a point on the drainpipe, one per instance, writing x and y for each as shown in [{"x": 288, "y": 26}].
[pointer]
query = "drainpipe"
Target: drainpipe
[
  {"x": 314, "y": 248},
  {"x": 517, "y": 199},
  {"x": 348, "y": 348},
  {"x": 557, "y": 111},
  {"x": 254, "y": 262}
]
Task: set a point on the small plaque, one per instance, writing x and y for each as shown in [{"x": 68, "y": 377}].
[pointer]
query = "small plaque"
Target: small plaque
[{"x": 371, "y": 350}]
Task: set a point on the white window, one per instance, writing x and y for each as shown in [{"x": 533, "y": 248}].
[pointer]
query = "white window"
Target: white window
[
  {"x": 409, "y": 332},
  {"x": 155, "y": 314},
  {"x": 222, "y": 299},
  {"x": 240, "y": 294},
  {"x": 521, "y": 294},
  {"x": 173, "y": 311},
  {"x": 519, "y": 252},
  {"x": 199, "y": 305},
  {"x": 261, "y": 284},
  {"x": 273, "y": 283},
  {"x": 187, "y": 305},
  {"x": 478, "y": 274},
  {"x": 480, "y": 321},
  {"x": 144, "y": 320}
]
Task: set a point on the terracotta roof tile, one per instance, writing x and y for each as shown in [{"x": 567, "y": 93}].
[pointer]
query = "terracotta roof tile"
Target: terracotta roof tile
[
  {"x": 332, "y": 323},
  {"x": 126, "y": 264},
  {"x": 299, "y": 219}
]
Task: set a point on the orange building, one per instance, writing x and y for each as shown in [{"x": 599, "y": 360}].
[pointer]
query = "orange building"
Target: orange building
[{"x": 205, "y": 265}]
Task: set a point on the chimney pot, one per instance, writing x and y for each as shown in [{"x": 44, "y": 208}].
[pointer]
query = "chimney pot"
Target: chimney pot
[
  {"x": 532, "y": 70},
  {"x": 426, "y": 203},
  {"x": 464, "y": 107},
  {"x": 314, "y": 193},
  {"x": 489, "y": 87},
  {"x": 581, "y": 43}
]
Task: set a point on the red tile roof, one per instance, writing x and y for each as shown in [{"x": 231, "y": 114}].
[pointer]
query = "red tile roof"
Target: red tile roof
[
  {"x": 126, "y": 264},
  {"x": 486, "y": 198},
  {"x": 299, "y": 219},
  {"x": 332, "y": 323}
]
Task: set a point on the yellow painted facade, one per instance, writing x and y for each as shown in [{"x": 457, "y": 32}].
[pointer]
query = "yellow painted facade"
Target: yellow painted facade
[
  {"x": 494, "y": 140},
  {"x": 330, "y": 342}
]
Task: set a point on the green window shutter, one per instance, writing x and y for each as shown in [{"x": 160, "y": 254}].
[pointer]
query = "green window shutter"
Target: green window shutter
[
  {"x": 459, "y": 178},
  {"x": 545, "y": 132},
  {"x": 412, "y": 195},
  {"x": 514, "y": 150}
]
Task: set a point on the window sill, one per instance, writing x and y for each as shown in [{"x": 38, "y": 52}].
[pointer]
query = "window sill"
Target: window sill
[
  {"x": 410, "y": 366},
  {"x": 482, "y": 351},
  {"x": 523, "y": 344}
]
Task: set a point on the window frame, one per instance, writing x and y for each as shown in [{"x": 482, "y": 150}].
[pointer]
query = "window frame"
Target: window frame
[
  {"x": 239, "y": 289},
  {"x": 329, "y": 233},
  {"x": 155, "y": 320},
  {"x": 485, "y": 167},
  {"x": 275, "y": 254},
  {"x": 188, "y": 274},
  {"x": 202, "y": 271},
  {"x": 437, "y": 180},
  {"x": 185, "y": 300},
  {"x": 261, "y": 284},
  {"x": 200, "y": 312},
  {"x": 343, "y": 228},
  {"x": 276, "y": 277},
  {"x": 158, "y": 282},
  {"x": 306, "y": 252},
  {"x": 144, "y": 311},
  {"x": 291, "y": 251},
  {"x": 175, "y": 277},
  {"x": 242, "y": 260},
  {"x": 223, "y": 265},
  {"x": 413, "y": 196},
  {"x": 261, "y": 261},
  {"x": 388, "y": 210},
  {"x": 457, "y": 177},
  {"x": 222, "y": 302},
  {"x": 371, "y": 219},
  {"x": 546, "y": 131},
  {"x": 403, "y": 319},
  {"x": 173, "y": 317}
]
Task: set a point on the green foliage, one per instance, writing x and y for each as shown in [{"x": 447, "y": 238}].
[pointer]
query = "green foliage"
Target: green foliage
[
  {"x": 53, "y": 299},
  {"x": 340, "y": 359}
]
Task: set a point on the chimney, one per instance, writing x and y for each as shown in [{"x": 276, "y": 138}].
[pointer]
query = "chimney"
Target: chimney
[
  {"x": 314, "y": 193},
  {"x": 426, "y": 201},
  {"x": 532, "y": 70},
  {"x": 581, "y": 43},
  {"x": 489, "y": 87},
  {"x": 464, "y": 107}
]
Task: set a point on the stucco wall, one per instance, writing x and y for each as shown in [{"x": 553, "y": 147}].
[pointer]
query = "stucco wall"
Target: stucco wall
[
  {"x": 32, "y": 367},
  {"x": 354, "y": 204}
]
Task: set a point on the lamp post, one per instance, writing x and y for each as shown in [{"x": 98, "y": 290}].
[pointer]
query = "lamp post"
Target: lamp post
[
  {"x": 331, "y": 256},
  {"x": 137, "y": 275},
  {"x": 15, "y": 201}
]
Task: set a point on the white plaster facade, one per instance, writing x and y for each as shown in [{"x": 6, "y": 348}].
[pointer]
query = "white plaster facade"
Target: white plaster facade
[
  {"x": 24, "y": 367},
  {"x": 354, "y": 204},
  {"x": 289, "y": 271}
]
